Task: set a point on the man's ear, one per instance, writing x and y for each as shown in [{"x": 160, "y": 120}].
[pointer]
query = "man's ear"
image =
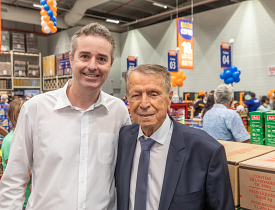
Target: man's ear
[{"x": 171, "y": 96}]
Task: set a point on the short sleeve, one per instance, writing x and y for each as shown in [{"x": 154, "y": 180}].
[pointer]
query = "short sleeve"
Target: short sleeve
[
  {"x": 247, "y": 103},
  {"x": 236, "y": 126},
  {"x": 6, "y": 147}
]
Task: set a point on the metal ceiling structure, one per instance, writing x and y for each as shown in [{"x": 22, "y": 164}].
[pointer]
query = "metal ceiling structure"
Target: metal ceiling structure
[{"x": 131, "y": 14}]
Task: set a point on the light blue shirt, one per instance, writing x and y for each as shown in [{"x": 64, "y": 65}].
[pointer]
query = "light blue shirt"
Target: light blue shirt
[{"x": 224, "y": 124}]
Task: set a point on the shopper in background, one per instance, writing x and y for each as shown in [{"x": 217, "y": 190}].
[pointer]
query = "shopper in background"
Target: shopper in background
[
  {"x": 252, "y": 103},
  {"x": 70, "y": 135},
  {"x": 209, "y": 104},
  {"x": 222, "y": 123},
  {"x": 4, "y": 99},
  {"x": 187, "y": 167},
  {"x": 14, "y": 109},
  {"x": 264, "y": 104},
  {"x": 211, "y": 92},
  {"x": 198, "y": 107}
]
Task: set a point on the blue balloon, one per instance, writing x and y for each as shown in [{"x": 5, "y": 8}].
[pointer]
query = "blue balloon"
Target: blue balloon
[
  {"x": 239, "y": 72},
  {"x": 237, "y": 79},
  {"x": 50, "y": 13},
  {"x": 54, "y": 23},
  {"x": 53, "y": 19},
  {"x": 233, "y": 68},
  {"x": 222, "y": 75},
  {"x": 43, "y": 2},
  {"x": 227, "y": 74},
  {"x": 46, "y": 7},
  {"x": 229, "y": 80},
  {"x": 236, "y": 75},
  {"x": 224, "y": 70}
]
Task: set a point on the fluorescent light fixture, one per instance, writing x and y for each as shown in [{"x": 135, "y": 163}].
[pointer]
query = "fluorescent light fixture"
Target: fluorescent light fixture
[
  {"x": 37, "y": 5},
  {"x": 160, "y": 5},
  {"x": 112, "y": 21}
]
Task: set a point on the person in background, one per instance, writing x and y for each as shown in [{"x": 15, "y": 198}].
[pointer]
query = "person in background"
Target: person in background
[
  {"x": 125, "y": 99},
  {"x": 209, "y": 104},
  {"x": 14, "y": 109},
  {"x": 4, "y": 99},
  {"x": 211, "y": 92},
  {"x": 264, "y": 104},
  {"x": 252, "y": 103},
  {"x": 198, "y": 107},
  {"x": 222, "y": 123}
]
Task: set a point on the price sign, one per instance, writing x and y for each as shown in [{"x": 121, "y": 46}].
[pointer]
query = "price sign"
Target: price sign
[
  {"x": 131, "y": 62},
  {"x": 225, "y": 55},
  {"x": 185, "y": 42},
  {"x": 173, "y": 61}
]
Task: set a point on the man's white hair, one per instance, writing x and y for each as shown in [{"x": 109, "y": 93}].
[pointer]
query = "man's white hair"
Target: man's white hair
[
  {"x": 4, "y": 96},
  {"x": 224, "y": 94}
]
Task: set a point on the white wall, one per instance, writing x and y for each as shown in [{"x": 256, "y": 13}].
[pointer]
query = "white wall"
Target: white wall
[{"x": 250, "y": 24}]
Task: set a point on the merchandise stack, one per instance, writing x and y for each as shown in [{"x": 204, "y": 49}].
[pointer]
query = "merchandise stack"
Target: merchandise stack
[
  {"x": 32, "y": 43},
  {"x": 33, "y": 69},
  {"x": 58, "y": 65},
  {"x": 19, "y": 69},
  {"x": 66, "y": 65},
  {"x": 49, "y": 66},
  {"x": 5, "y": 44},
  {"x": 18, "y": 42},
  {"x": 5, "y": 69}
]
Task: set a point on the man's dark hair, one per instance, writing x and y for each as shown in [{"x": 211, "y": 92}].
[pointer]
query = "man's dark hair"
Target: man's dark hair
[
  {"x": 200, "y": 97},
  {"x": 212, "y": 91},
  {"x": 264, "y": 99},
  {"x": 253, "y": 95}
]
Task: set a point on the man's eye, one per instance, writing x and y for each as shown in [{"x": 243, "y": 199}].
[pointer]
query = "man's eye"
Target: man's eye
[
  {"x": 84, "y": 56},
  {"x": 102, "y": 59}
]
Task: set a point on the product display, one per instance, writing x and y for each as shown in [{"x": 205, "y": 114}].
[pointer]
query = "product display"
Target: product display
[
  {"x": 5, "y": 69},
  {"x": 5, "y": 44},
  {"x": 19, "y": 69},
  {"x": 49, "y": 66},
  {"x": 33, "y": 69},
  {"x": 257, "y": 133},
  {"x": 270, "y": 128},
  {"x": 66, "y": 65},
  {"x": 18, "y": 42},
  {"x": 58, "y": 65},
  {"x": 31, "y": 43}
]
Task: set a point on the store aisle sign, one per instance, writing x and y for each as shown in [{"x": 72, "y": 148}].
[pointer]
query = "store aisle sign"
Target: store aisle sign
[
  {"x": 271, "y": 71},
  {"x": 185, "y": 43},
  {"x": 225, "y": 55},
  {"x": 173, "y": 61},
  {"x": 131, "y": 62}
]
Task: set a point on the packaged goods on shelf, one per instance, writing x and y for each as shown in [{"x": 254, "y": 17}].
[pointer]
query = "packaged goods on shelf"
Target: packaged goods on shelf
[
  {"x": 49, "y": 66},
  {"x": 257, "y": 133},
  {"x": 5, "y": 44},
  {"x": 58, "y": 66},
  {"x": 19, "y": 69},
  {"x": 35, "y": 82},
  {"x": 32, "y": 43},
  {"x": 18, "y": 42},
  {"x": 236, "y": 153},
  {"x": 5, "y": 69},
  {"x": 3, "y": 84},
  {"x": 66, "y": 65},
  {"x": 257, "y": 182},
  {"x": 33, "y": 69},
  {"x": 270, "y": 128}
]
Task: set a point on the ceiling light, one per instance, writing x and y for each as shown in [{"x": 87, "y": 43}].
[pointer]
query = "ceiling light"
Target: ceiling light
[
  {"x": 112, "y": 21},
  {"x": 37, "y": 5},
  {"x": 160, "y": 5}
]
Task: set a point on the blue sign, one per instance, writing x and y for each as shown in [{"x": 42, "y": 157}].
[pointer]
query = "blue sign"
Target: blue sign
[
  {"x": 65, "y": 63},
  {"x": 173, "y": 63},
  {"x": 131, "y": 63},
  {"x": 225, "y": 57}
]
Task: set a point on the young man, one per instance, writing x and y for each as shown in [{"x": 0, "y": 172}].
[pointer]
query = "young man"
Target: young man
[
  {"x": 162, "y": 164},
  {"x": 70, "y": 135}
]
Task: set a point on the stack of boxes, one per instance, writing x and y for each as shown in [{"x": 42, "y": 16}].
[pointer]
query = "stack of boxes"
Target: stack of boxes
[
  {"x": 19, "y": 69},
  {"x": 31, "y": 43},
  {"x": 49, "y": 66},
  {"x": 18, "y": 42},
  {"x": 58, "y": 65},
  {"x": 66, "y": 65},
  {"x": 33, "y": 69},
  {"x": 5, "y": 69},
  {"x": 5, "y": 44}
]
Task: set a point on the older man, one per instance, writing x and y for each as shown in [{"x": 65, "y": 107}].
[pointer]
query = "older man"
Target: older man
[
  {"x": 222, "y": 123},
  {"x": 70, "y": 135},
  {"x": 162, "y": 164}
]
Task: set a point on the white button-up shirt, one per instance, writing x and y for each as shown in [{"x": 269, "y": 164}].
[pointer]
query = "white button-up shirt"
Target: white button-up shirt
[
  {"x": 158, "y": 156},
  {"x": 73, "y": 153}
]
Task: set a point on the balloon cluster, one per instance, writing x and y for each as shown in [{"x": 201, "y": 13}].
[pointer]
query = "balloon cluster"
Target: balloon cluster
[
  {"x": 178, "y": 78},
  {"x": 271, "y": 93},
  {"x": 48, "y": 16},
  {"x": 231, "y": 75}
]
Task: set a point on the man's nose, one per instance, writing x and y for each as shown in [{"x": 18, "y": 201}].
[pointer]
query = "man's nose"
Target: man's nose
[
  {"x": 92, "y": 65},
  {"x": 145, "y": 101}
]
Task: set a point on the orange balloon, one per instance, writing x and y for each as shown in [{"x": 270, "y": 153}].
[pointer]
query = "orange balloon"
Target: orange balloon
[
  {"x": 54, "y": 14},
  {"x": 50, "y": 24},
  {"x": 43, "y": 12},
  {"x": 184, "y": 77},
  {"x": 43, "y": 30},
  {"x": 54, "y": 29},
  {"x": 53, "y": 8},
  {"x": 181, "y": 72},
  {"x": 174, "y": 84},
  {"x": 46, "y": 18},
  {"x": 50, "y": 2},
  {"x": 179, "y": 81},
  {"x": 180, "y": 84}
]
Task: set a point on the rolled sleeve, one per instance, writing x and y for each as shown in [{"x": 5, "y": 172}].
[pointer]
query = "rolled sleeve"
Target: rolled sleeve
[{"x": 237, "y": 129}]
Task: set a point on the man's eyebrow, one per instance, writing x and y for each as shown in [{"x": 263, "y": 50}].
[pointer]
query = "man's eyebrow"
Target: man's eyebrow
[
  {"x": 103, "y": 55},
  {"x": 84, "y": 52}
]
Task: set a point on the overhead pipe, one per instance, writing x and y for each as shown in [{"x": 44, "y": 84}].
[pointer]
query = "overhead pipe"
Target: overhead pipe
[
  {"x": 120, "y": 6},
  {"x": 167, "y": 13}
]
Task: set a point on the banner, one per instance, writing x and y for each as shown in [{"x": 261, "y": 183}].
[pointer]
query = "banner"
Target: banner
[
  {"x": 173, "y": 61},
  {"x": 225, "y": 55},
  {"x": 185, "y": 43},
  {"x": 131, "y": 62}
]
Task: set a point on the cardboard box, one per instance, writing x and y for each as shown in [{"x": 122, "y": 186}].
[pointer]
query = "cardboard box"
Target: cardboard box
[
  {"x": 32, "y": 43},
  {"x": 257, "y": 133},
  {"x": 5, "y": 69},
  {"x": 238, "y": 152},
  {"x": 257, "y": 182},
  {"x": 58, "y": 66},
  {"x": 49, "y": 66},
  {"x": 18, "y": 42},
  {"x": 270, "y": 128}
]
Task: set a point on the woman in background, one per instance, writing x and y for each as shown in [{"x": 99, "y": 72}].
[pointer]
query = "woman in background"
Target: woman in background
[
  {"x": 209, "y": 104},
  {"x": 264, "y": 104}
]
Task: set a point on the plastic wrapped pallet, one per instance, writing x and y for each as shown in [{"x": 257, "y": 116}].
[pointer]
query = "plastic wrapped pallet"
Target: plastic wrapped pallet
[
  {"x": 5, "y": 68},
  {"x": 58, "y": 66},
  {"x": 31, "y": 43},
  {"x": 18, "y": 42},
  {"x": 19, "y": 69},
  {"x": 33, "y": 69},
  {"x": 49, "y": 66},
  {"x": 5, "y": 38}
]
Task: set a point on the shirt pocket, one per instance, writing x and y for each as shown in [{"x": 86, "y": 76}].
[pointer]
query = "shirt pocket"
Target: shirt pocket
[{"x": 107, "y": 148}]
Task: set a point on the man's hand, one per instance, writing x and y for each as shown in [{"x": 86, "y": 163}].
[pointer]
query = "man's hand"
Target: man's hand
[
  {"x": 3, "y": 131},
  {"x": 30, "y": 187}
]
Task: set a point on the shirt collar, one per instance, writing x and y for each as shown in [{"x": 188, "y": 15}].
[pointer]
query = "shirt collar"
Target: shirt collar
[
  {"x": 161, "y": 134},
  {"x": 220, "y": 106},
  {"x": 63, "y": 101}
]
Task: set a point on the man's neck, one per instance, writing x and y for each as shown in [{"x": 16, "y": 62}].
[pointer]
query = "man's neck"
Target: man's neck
[{"x": 81, "y": 98}]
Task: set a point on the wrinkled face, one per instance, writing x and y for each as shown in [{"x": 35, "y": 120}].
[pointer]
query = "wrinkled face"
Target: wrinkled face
[
  {"x": 91, "y": 63},
  {"x": 147, "y": 99}
]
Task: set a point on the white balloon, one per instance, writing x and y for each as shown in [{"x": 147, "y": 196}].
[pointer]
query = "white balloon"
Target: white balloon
[
  {"x": 42, "y": 18},
  {"x": 47, "y": 29},
  {"x": 43, "y": 23},
  {"x": 54, "y": 3}
]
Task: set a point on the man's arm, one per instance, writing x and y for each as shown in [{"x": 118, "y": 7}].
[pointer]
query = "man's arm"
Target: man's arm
[
  {"x": 3, "y": 131},
  {"x": 16, "y": 176},
  {"x": 218, "y": 188},
  {"x": 237, "y": 129}
]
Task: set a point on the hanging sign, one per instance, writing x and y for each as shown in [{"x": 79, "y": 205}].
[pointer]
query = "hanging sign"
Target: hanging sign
[
  {"x": 271, "y": 71},
  {"x": 185, "y": 43},
  {"x": 131, "y": 62},
  {"x": 173, "y": 61},
  {"x": 225, "y": 55}
]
